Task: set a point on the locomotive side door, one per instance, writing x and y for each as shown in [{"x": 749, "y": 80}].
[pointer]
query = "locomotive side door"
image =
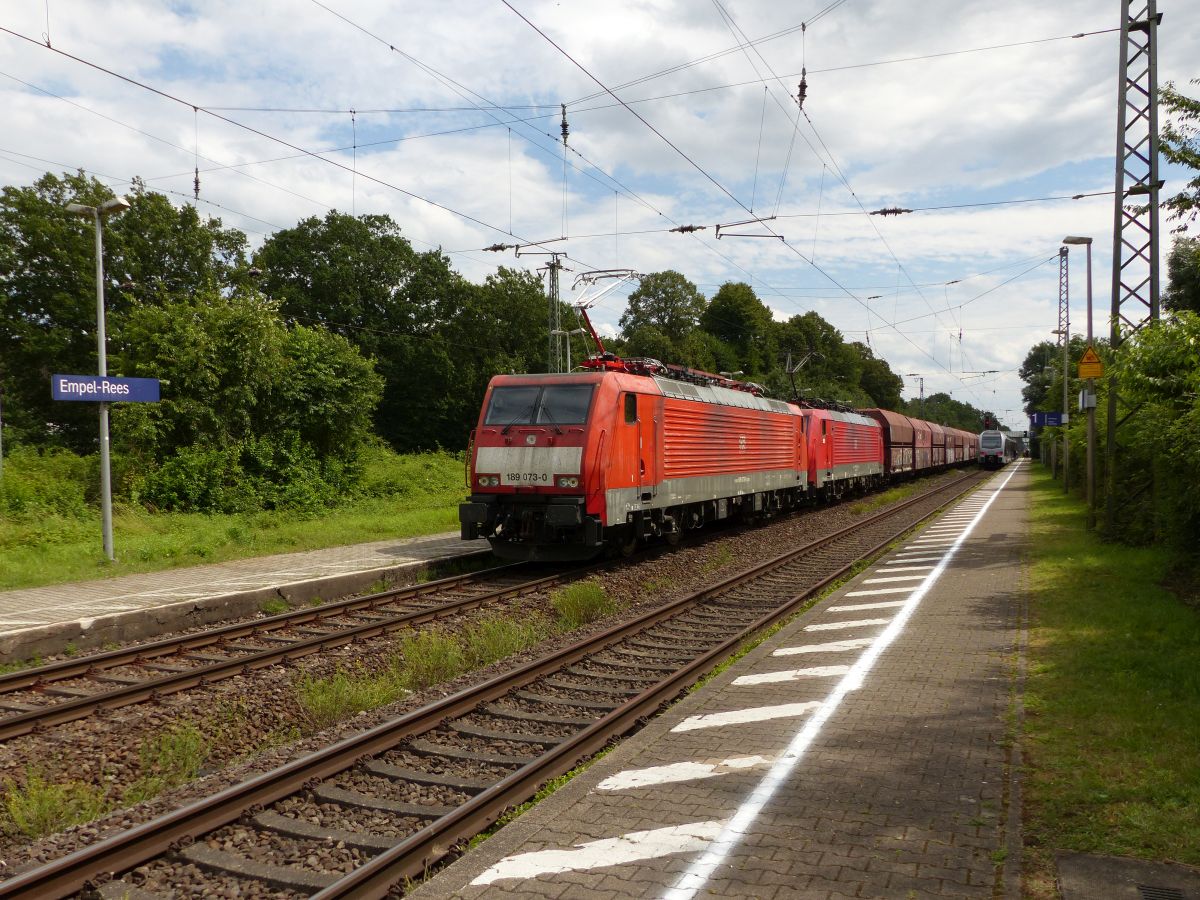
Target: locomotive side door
[{"x": 649, "y": 409}]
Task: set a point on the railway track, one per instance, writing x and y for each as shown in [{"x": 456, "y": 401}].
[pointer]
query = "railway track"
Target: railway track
[
  {"x": 358, "y": 817},
  {"x": 47, "y": 696}
]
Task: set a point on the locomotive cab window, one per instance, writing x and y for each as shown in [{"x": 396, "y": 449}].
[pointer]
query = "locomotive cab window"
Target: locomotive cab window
[
  {"x": 551, "y": 404},
  {"x": 630, "y": 408}
]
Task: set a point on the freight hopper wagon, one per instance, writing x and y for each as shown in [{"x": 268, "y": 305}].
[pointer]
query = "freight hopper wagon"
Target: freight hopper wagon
[{"x": 562, "y": 465}]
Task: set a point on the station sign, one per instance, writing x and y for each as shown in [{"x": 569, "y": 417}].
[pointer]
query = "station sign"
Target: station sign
[
  {"x": 104, "y": 389},
  {"x": 1090, "y": 365},
  {"x": 1053, "y": 419}
]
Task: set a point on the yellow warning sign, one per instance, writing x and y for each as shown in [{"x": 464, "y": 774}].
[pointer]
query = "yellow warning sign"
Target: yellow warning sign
[{"x": 1090, "y": 365}]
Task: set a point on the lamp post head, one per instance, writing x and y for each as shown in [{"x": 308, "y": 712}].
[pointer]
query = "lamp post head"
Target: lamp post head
[
  {"x": 1070, "y": 239},
  {"x": 113, "y": 206},
  {"x": 107, "y": 208}
]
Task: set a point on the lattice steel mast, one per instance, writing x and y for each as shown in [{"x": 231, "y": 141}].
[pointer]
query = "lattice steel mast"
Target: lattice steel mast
[{"x": 1135, "y": 281}]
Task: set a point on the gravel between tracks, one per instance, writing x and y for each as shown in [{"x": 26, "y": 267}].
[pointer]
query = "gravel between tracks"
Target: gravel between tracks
[{"x": 247, "y": 720}]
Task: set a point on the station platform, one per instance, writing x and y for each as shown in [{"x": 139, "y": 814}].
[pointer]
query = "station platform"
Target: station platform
[
  {"x": 89, "y": 614},
  {"x": 862, "y": 751}
]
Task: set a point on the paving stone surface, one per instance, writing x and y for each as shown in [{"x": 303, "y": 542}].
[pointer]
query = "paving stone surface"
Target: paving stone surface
[
  {"x": 895, "y": 786},
  {"x": 87, "y": 613}
]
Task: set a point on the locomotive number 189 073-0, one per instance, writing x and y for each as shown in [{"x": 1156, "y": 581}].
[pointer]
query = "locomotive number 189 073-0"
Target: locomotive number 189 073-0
[{"x": 528, "y": 477}]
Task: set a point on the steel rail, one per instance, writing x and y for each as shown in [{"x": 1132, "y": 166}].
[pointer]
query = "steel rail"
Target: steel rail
[
  {"x": 413, "y": 856},
  {"x": 110, "y": 659},
  {"x": 155, "y": 688},
  {"x": 140, "y": 843}
]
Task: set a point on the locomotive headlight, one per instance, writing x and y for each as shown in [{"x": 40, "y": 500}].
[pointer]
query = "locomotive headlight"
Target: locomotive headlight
[
  {"x": 489, "y": 480},
  {"x": 568, "y": 481}
]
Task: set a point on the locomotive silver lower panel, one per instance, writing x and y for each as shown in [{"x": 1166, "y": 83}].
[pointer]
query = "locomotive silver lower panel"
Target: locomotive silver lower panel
[{"x": 682, "y": 491}]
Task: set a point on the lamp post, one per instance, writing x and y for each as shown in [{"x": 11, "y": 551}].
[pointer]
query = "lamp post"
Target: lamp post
[
  {"x": 1089, "y": 388},
  {"x": 1066, "y": 412},
  {"x": 97, "y": 214}
]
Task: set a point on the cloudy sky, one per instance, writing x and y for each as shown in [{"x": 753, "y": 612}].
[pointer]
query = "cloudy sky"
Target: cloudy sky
[{"x": 681, "y": 112}]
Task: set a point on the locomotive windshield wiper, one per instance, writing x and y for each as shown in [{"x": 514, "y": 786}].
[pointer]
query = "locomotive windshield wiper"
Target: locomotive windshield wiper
[
  {"x": 553, "y": 421},
  {"x": 526, "y": 414}
]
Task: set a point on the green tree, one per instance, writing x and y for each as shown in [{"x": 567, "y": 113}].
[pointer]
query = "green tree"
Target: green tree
[
  {"x": 877, "y": 379},
  {"x": 1158, "y": 371},
  {"x": 497, "y": 327},
  {"x": 1183, "y": 276},
  {"x": 1038, "y": 372},
  {"x": 1180, "y": 144},
  {"x": 739, "y": 319},
  {"x": 943, "y": 409},
  {"x": 360, "y": 278},
  {"x": 665, "y": 301},
  {"x": 649, "y": 341},
  {"x": 48, "y": 291},
  {"x": 253, "y": 412}
]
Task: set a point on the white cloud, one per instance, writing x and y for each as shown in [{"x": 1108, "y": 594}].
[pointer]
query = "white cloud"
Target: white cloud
[{"x": 1018, "y": 122}]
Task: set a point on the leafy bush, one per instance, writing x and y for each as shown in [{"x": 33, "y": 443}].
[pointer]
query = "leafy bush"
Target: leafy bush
[
  {"x": 278, "y": 472},
  {"x": 435, "y": 476},
  {"x": 55, "y": 482}
]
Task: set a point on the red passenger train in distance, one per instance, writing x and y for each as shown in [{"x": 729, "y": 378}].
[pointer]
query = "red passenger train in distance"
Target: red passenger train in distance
[{"x": 562, "y": 466}]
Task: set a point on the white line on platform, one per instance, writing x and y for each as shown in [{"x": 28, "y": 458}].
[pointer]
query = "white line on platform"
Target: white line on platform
[
  {"x": 838, "y": 626},
  {"x": 912, "y": 558},
  {"x": 897, "y": 568},
  {"x": 831, "y": 647},
  {"x": 790, "y": 675},
  {"x": 684, "y": 771},
  {"x": 692, "y": 881},
  {"x": 742, "y": 716},
  {"x": 859, "y": 607},
  {"x": 894, "y": 578},
  {"x": 874, "y": 591},
  {"x": 627, "y": 848}
]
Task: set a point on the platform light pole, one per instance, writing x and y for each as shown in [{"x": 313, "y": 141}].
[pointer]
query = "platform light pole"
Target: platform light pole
[
  {"x": 97, "y": 214},
  {"x": 1089, "y": 388}
]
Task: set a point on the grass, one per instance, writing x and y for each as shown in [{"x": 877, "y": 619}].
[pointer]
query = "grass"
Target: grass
[
  {"x": 1112, "y": 696},
  {"x": 581, "y": 603},
  {"x": 343, "y": 694},
  {"x": 274, "y": 606},
  {"x": 37, "y": 807},
  {"x": 402, "y": 496},
  {"x": 718, "y": 559},
  {"x": 426, "y": 658},
  {"x": 884, "y": 498},
  {"x": 169, "y": 759}
]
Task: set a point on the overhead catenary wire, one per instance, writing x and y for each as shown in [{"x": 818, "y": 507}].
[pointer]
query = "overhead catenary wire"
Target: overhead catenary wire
[
  {"x": 736, "y": 30},
  {"x": 696, "y": 166},
  {"x": 464, "y": 92},
  {"x": 253, "y": 130}
]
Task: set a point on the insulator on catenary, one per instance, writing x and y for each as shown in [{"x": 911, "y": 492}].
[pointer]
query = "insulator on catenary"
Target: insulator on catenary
[
  {"x": 196, "y": 183},
  {"x": 688, "y": 229},
  {"x": 802, "y": 89},
  {"x": 565, "y": 129}
]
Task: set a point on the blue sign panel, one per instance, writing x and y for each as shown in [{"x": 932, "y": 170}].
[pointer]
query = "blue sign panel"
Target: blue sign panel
[
  {"x": 1046, "y": 418},
  {"x": 104, "y": 389}
]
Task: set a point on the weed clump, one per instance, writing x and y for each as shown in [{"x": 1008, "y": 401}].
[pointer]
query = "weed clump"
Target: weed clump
[{"x": 581, "y": 603}]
